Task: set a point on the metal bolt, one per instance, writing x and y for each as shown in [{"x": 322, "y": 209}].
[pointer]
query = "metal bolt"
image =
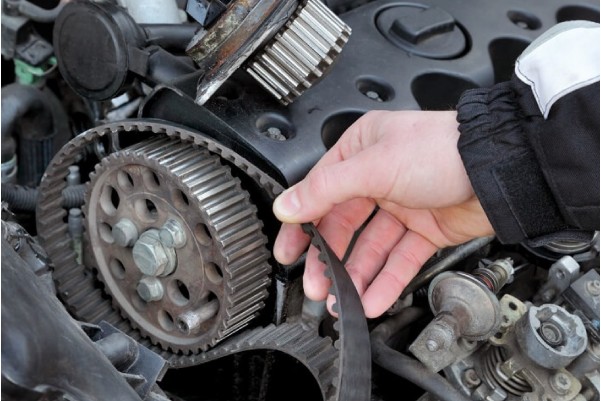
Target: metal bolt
[
  {"x": 470, "y": 378},
  {"x": 592, "y": 287},
  {"x": 172, "y": 234},
  {"x": 373, "y": 95},
  {"x": 151, "y": 256},
  {"x": 561, "y": 383},
  {"x": 189, "y": 322},
  {"x": 551, "y": 334},
  {"x": 432, "y": 345},
  {"x": 150, "y": 289},
  {"x": 125, "y": 233}
]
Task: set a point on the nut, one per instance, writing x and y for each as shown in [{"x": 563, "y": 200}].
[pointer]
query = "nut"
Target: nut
[
  {"x": 150, "y": 289},
  {"x": 151, "y": 257},
  {"x": 125, "y": 233},
  {"x": 172, "y": 234}
]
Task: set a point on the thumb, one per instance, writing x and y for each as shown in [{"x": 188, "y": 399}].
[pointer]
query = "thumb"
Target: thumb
[{"x": 329, "y": 185}]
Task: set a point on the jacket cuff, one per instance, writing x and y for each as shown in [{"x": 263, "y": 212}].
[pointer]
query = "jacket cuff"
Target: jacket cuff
[{"x": 502, "y": 166}]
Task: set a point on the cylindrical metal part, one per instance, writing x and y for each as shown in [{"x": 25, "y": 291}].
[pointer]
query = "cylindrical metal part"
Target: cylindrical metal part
[
  {"x": 495, "y": 275},
  {"x": 125, "y": 233},
  {"x": 189, "y": 322},
  {"x": 73, "y": 178},
  {"x": 551, "y": 336},
  {"x": 150, "y": 289},
  {"x": 301, "y": 52}
]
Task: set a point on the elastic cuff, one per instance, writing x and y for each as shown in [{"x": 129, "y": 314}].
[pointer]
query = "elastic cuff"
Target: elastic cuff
[{"x": 502, "y": 166}]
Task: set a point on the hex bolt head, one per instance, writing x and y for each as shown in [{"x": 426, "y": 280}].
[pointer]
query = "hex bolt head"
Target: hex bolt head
[
  {"x": 172, "y": 234},
  {"x": 150, "y": 289},
  {"x": 561, "y": 383},
  {"x": 151, "y": 256},
  {"x": 470, "y": 378},
  {"x": 432, "y": 345},
  {"x": 125, "y": 233},
  {"x": 592, "y": 287}
]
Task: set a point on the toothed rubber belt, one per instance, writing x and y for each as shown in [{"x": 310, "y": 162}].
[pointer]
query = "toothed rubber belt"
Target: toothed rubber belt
[{"x": 342, "y": 374}]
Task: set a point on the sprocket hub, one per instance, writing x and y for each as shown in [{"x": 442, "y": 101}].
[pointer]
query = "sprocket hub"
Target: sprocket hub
[{"x": 211, "y": 283}]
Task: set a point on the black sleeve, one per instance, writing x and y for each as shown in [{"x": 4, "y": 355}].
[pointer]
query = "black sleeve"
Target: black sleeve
[{"x": 534, "y": 162}]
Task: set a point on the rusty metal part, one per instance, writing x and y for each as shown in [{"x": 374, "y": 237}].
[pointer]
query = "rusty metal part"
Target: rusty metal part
[
  {"x": 343, "y": 372},
  {"x": 224, "y": 265},
  {"x": 242, "y": 29},
  {"x": 77, "y": 285},
  {"x": 301, "y": 52}
]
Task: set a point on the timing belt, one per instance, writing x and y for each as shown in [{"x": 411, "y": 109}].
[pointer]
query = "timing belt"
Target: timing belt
[{"x": 343, "y": 370}]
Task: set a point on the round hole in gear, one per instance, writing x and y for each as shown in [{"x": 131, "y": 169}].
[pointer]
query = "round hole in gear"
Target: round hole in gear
[
  {"x": 146, "y": 209},
  {"x": 166, "y": 320},
  {"x": 178, "y": 292},
  {"x": 117, "y": 268},
  {"x": 109, "y": 200},
  {"x": 201, "y": 232},
  {"x": 524, "y": 20},
  {"x": 213, "y": 273},
  {"x": 151, "y": 179},
  {"x": 125, "y": 180},
  {"x": 105, "y": 232},
  {"x": 336, "y": 125},
  {"x": 375, "y": 89},
  {"x": 180, "y": 200}
]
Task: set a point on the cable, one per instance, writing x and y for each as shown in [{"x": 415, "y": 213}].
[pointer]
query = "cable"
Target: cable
[
  {"x": 405, "y": 366},
  {"x": 457, "y": 255}
]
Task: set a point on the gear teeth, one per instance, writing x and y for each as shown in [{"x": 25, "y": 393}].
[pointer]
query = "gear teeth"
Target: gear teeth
[{"x": 68, "y": 274}]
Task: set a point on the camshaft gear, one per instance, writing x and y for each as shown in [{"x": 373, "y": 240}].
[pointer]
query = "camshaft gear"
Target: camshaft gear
[
  {"x": 177, "y": 243},
  {"x": 301, "y": 52}
]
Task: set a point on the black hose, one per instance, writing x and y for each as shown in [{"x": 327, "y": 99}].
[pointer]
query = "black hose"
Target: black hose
[
  {"x": 170, "y": 36},
  {"x": 39, "y": 14},
  {"x": 457, "y": 255},
  {"x": 25, "y": 199},
  {"x": 405, "y": 366},
  {"x": 35, "y": 125}
]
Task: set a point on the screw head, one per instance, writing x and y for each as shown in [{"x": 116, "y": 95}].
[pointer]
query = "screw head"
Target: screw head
[
  {"x": 150, "y": 289},
  {"x": 470, "y": 378},
  {"x": 592, "y": 287},
  {"x": 125, "y": 233},
  {"x": 432, "y": 345},
  {"x": 172, "y": 234},
  {"x": 561, "y": 383},
  {"x": 151, "y": 257}
]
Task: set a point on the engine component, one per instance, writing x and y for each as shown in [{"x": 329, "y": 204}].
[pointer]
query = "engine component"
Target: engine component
[
  {"x": 561, "y": 274},
  {"x": 101, "y": 49},
  {"x": 189, "y": 292},
  {"x": 301, "y": 52},
  {"x": 551, "y": 336},
  {"x": 34, "y": 127},
  {"x": 67, "y": 364},
  {"x": 310, "y": 39},
  {"x": 512, "y": 365},
  {"x": 465, "y": 307}
]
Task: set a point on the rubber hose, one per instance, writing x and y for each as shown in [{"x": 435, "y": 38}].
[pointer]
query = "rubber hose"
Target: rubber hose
[
  {"x": 39, "y": 14},
  {"x": 456, "y": 256},
  {"x": 25, "y": 199},
  {"x": 404, "y": 366}
]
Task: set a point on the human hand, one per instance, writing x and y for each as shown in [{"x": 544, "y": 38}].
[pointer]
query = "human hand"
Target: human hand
[{"x": 405, "y": 162}]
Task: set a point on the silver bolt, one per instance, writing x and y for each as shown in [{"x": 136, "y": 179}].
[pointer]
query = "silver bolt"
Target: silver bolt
[
  {"x": 592, "y": 287},
  {"x": 151, "y": 256},
  {"x": 373, "y": 95},
  {"x": 125, "y": 233},
  {"x": 150, "y": 289},
  {"x": 189, "y": 322},
  {"x": 172, "y": 234},
  {"x": 432, "y": 345},
  {"x": 470, "y": 378},
  {"x": 561, "y": 383}
]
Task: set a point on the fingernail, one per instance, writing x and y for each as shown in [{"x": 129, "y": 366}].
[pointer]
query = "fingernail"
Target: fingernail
[{"x": 287, "y": 204}]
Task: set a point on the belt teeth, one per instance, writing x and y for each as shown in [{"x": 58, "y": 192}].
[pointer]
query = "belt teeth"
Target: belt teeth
[{"x": 301, "y": 52}]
